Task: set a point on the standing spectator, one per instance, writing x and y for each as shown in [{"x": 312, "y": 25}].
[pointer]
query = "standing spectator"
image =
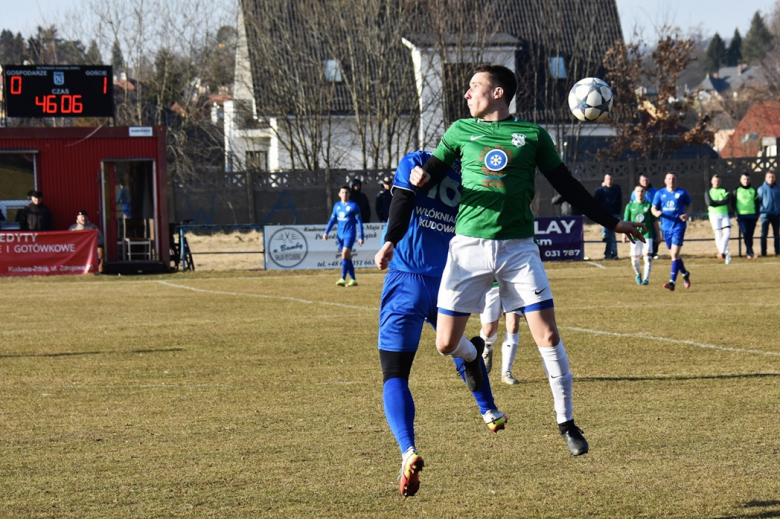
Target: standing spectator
[
  {"x": 383, "y": 199},
  {"x": 347, "y": 214},
  {"x": 673, "y": 207},
  {"x": 769, "y": 197},
  {"x": 123, "y": 199},
  {"x": 718, "y": 201},
  {"x": 610, "y": 197},
  {"x": 744, "y": 201},
  {"x": 82, "y": 222},
  {"x": 639, "y": 210},
  {"x": 650, "y": 192},
  {"x": 37, "y": 216},
  {"x": 359, "y": 197}
]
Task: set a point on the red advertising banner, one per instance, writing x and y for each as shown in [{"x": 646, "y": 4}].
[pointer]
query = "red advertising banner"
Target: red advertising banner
[{"x": 48, "y": 253}]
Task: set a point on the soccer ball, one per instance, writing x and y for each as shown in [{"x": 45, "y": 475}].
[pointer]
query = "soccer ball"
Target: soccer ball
[{"x": 590, "y": 99}]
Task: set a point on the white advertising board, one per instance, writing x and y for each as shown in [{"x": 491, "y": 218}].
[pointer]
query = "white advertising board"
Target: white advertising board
[{"x": 292, "y": 247}]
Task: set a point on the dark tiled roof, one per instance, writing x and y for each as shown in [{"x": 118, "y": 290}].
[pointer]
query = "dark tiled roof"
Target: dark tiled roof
[{"x": 579, "y": 30}]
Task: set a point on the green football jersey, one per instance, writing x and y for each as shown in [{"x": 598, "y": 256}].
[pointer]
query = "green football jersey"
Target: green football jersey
[
  {"x": 498, "y": 165},
  {"x": 716, "y": 195},
  {"x": 640, "y": 212}
]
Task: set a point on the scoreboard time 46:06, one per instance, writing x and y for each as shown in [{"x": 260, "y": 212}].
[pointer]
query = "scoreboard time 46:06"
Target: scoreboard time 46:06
[{"x": 58, "y": 91}]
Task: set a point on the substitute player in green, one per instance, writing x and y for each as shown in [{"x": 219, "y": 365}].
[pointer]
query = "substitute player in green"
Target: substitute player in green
[
  {"x": 495, "y": 227},
  {"x": 639, "y": 211}
]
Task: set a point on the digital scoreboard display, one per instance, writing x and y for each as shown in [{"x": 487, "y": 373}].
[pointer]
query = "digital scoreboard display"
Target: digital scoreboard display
[{"x": 58, "y": 91}]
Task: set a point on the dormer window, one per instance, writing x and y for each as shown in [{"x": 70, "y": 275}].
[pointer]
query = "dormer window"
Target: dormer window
[
  {"x": 332, "y": 71},
  {"x": 558, "y": 68}
]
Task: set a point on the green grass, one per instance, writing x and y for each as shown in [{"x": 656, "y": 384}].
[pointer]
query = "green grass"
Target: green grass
[{"x": 260, "y": 395}]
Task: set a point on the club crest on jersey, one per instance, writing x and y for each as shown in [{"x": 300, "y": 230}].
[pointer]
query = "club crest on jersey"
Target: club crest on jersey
[
  {"x": 518, "y": 139},
  {"x": 640, "y": 218},
  {"x": 677, "y": 195},
  {"x": 496, "y": 160}
]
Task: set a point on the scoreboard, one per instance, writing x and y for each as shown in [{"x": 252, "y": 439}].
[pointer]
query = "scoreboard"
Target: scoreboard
[{"x": 58, "y": 91}]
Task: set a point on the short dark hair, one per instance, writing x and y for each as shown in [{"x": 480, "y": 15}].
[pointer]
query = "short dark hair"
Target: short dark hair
[
  {"x": 344, "y": 187},
  {"x": 500, "y": 76}
]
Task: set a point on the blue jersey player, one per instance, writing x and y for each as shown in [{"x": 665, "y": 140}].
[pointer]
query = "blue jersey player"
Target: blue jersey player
[
  {"x": 416, "y": 240},
  {"x": 672, "y": 206},
  {"x": 347, "y": 214}
]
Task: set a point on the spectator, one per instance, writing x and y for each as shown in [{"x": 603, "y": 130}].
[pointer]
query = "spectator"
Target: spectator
[
  {"x": 744, "y": 201},
  {"x": 359, "y": 197},
  {"x": 383, "y": 199},
  {"x": 82, "y": 223},
  {"x": 610, "y": 197},
  {"x": 650, "y": 192},
  {"x": 769, "y": 196},
  {"x": 37, "y": 216},
  {"x": 123, "y": 199},
  {"x": 718, "y": 200}
]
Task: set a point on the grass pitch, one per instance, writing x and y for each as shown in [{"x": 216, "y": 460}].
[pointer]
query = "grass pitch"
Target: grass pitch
[{"x": 260, "y": 395}]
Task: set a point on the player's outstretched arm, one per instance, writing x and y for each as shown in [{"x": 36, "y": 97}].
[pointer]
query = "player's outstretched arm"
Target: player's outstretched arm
[
  {"x": 430, "y": 174},
  {"x": 631, "y": 230}
]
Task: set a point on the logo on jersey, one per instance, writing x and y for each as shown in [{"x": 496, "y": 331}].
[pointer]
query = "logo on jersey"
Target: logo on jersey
[
  {"x": 475, "y": 137},
  {"x": 288, "y": 248},
  {"x": 518, "y": 139},
  {"x": 640, "y": 218},
  {"x": 671, "y": 204},
  {"x": 496, "y": 160}
]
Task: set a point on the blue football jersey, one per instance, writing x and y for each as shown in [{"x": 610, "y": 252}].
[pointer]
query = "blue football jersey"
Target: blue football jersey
[
  {"x": 423, "y": 250},
  {"x": 348, "y": 217},
  {"x": 672, "y": 204}
]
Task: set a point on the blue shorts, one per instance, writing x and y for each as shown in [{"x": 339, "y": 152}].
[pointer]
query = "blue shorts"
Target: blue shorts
[
  {"x": 347, "y": 242},
  {"x": 408, "y": 300},
  {"x": 674, "y": 237}
]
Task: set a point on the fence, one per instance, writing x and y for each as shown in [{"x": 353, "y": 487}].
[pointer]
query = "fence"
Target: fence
[{"x": 289, "y": 198}]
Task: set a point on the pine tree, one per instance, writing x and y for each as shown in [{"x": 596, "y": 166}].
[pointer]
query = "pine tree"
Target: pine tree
[
  {"x": 117, "y": 60},
  {"x": 93, "y": 54},
  {"x": 757, "y": 40},
  {"x": 734, "y": 52},
  {"x": 716, "y": 54}
]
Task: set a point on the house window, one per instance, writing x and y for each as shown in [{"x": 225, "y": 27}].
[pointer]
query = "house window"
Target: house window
[
  {"x": 558, "y": 68},
  {"x": 332, "y": 71},
  {"x": 257, "y": 160}
]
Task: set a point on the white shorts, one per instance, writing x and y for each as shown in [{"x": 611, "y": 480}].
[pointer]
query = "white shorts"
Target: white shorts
[
  {"x": 493, "y": 310},
  {"x": 719, "y": 221},
  {"x": 473, "y": 264},
  {"x": 642, "y": 249}
]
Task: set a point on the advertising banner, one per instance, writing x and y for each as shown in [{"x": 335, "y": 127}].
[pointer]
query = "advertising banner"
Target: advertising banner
[
  {"x": 49, "y": 253},
  {"x": 290, "y": 247},
  {"x": 560, "y": 238}
]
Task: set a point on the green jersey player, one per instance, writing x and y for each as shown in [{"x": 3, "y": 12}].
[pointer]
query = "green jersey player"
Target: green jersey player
[
  {"x": 640, "y": 211},
  {"x": 494, "y": 232}
]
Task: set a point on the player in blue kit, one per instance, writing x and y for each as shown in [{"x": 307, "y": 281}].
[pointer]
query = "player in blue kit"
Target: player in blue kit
[
  {"x": 672, "y": 206},
  {"x": 416, "y": 240},
  {"x": 347, "y": 214}
]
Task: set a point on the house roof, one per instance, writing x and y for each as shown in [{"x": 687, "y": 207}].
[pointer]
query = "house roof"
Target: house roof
[
  {"x": 579, "y": 30},
  {"x": 761, "y": 120},
  {"x": 733, "y": 78}
]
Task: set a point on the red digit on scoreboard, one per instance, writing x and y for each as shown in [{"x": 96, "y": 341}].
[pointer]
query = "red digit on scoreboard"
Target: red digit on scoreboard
[
  {"x": 105, "y": 84},
  {"x": 16, "y": 85}
]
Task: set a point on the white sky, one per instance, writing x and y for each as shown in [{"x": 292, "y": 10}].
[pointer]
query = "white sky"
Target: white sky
[{"x": 722, "y": 16}]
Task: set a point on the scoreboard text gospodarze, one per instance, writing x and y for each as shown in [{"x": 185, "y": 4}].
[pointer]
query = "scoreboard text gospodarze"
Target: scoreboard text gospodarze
[{"x": 58, "y": 91}]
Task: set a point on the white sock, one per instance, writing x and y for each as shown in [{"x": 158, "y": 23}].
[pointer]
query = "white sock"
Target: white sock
[
  {"x": 635, "y": 264},
  {"x": 508, "y": 356},
  {"x": 556, "y": 364},
  {"x": 465, "y": 350},
  {"x": 513, "y": 338},
  {"x": 489, "y": 340},
  {"x": 648, "y": 266}
]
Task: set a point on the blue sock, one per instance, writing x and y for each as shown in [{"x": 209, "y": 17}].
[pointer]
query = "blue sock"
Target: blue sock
[
  {"x": 675, "y": 269},
  {"x": 399, "y": 411},
  {"x": 682, "y": 266},
  {"x": 350, "y": 268},
  {"x": 344, "y": 268},
  {"x": 483, "y": 396}
]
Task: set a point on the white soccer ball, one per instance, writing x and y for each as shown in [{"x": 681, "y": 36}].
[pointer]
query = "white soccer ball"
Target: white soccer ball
[{"x": 590, "y": 99}]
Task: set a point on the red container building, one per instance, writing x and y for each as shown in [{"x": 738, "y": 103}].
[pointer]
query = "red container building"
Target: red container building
[{"x": 117, "y": 174}]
